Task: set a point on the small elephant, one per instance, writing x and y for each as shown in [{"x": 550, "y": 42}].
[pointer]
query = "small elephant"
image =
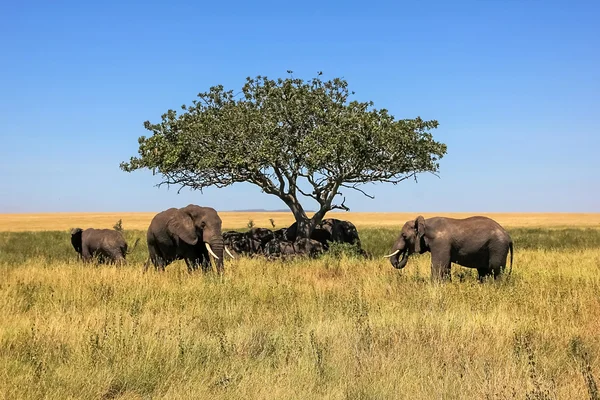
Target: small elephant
[
  {"x": 106, "y": 244},
  {"x": 190, "y": 233},
  {"x": 474, "y": 242}
]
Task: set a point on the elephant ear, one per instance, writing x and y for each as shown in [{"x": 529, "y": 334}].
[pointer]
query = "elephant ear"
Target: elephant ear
[
  {"x": 182, "y": 225},
  {"x": 420, "y": 231},
  {"x": 76, "y": 234}
]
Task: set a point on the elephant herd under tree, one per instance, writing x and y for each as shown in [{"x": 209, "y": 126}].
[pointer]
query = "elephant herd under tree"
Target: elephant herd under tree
[
  {"x": 284, "y": 242},
  {"x": 194, "y": 233}
]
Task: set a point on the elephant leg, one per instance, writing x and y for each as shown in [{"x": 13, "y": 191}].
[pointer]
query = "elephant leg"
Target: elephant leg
[
  {"x": 441, "y": 265},
  {"x": 497, "y": 271},
  {"x": 98, "y": 256},
  {"x": 156, "y": 258},
  {"x": 497, "y": 263},
  {"x": 86, "y": 256},
  {"x": 204, "y": 260},
  {"x": 483, "y": 273},
  {"x": 206, "y": 265},
  {"x": 122, "y": 252},
  {"x": 194, "y": 262},
  {"x": 190, "y": 265},
  {"x": 117, "y": 257},
  {"x": 159, "y": 263}
]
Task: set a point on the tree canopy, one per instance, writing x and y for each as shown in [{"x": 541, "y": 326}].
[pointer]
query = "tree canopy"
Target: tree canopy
[{"x": 292, "y": 138}]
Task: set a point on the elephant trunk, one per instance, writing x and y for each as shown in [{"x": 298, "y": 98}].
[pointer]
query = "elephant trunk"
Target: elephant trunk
[
  {"x": 216, "y": 246},
  {"x": 402, "y": 263}
]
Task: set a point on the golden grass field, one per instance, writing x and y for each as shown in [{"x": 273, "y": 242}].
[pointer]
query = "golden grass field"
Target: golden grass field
[
  {"x": 235, "y": 220},
  {"x": 337, "y": 327}
]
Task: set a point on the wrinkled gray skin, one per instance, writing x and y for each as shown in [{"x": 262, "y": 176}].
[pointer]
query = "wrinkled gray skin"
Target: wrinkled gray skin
[
  {"x": 280, "y": 234},
  {"x": 177, "y": 234},
  {"x": 248, "y": 243},
  {"x": 474, "y": 242},
  {"x": 341, "y": 231},
  {"x": 309, "y": 247},
  {"x": 237, "y": 242},
  {"x": 329, "y": 230},
  {"x": 285, "y": 249},
  {"x": 106, "y": 244}
]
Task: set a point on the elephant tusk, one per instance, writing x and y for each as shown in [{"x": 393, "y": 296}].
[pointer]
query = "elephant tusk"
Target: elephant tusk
[
  {"x": 228, "y": 252},
  {"x": 393, "y": 254},
  {"x": 210, "y": 251}
]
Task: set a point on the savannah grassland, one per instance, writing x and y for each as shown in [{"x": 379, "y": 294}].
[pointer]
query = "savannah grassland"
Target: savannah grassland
[{"x": 338, "y": 327}]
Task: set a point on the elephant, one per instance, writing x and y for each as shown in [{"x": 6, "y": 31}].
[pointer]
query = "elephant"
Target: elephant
[
  {"x": 262, "y": 235},
  {"x": 236, "y": 241},
  {"x": 280, "y": 234},
  {"x": 475, "y": 242},
  {"x": 248, "y": 243},
  {"x": 340, "y": 231},
  {"x": 190, "y": 233},
  {"x": 330, "y": 230},
  {"x": 309, "y": 247},
  {"x": 262, "y": 241},
  {"x": 107, "y": 244},
  {"x": 277, "y": 248}
]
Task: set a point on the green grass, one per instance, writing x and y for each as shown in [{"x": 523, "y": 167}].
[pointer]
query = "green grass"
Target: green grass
[
  {"x": 55, "y": 246},
  {"x": 338, "y": 327}
]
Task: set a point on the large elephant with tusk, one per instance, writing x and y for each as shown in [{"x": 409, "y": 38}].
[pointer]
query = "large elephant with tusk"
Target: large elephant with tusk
[
  {"x": 475, "y": 242},
  {"x": 190, "y": 233}
]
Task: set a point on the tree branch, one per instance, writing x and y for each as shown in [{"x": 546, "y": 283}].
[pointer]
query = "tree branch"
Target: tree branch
[
  {"x": 355, "y": 187},
  {"x": 341, "y": 206},
  {"x": 312, "y": 196},
  {"x": 280, "y": 177}
]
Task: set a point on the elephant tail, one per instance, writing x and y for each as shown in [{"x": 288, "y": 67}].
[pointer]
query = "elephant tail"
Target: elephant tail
[
  {"x": 134, "y": 246},
  {"x": 510, "y": 247}
]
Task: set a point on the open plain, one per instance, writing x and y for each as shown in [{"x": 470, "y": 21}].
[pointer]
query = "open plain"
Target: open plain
[
  {"x": 337, "y": 327},
  {"x": 235, "y": 220}
]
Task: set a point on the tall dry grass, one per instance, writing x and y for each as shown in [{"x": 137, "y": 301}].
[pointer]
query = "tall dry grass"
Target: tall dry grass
[{"x": 336, "y": 327}]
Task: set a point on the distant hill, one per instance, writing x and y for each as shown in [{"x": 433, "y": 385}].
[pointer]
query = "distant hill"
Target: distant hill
[{"x": 263, "y": 210}]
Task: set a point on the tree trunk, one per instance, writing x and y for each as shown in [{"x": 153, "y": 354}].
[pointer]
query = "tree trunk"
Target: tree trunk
[
  {"x": 305, "y": 228},
  {"x": 304, "y": 225}
]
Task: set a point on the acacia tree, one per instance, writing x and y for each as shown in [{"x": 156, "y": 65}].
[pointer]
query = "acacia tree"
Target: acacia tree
[{"x": 292, "y": 138}]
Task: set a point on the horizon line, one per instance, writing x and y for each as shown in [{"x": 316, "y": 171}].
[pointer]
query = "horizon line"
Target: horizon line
[{"x": 308, "y": 211}]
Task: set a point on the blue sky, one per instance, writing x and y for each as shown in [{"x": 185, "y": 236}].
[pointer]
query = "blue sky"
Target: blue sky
[{"x": 515, "y": 86}]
